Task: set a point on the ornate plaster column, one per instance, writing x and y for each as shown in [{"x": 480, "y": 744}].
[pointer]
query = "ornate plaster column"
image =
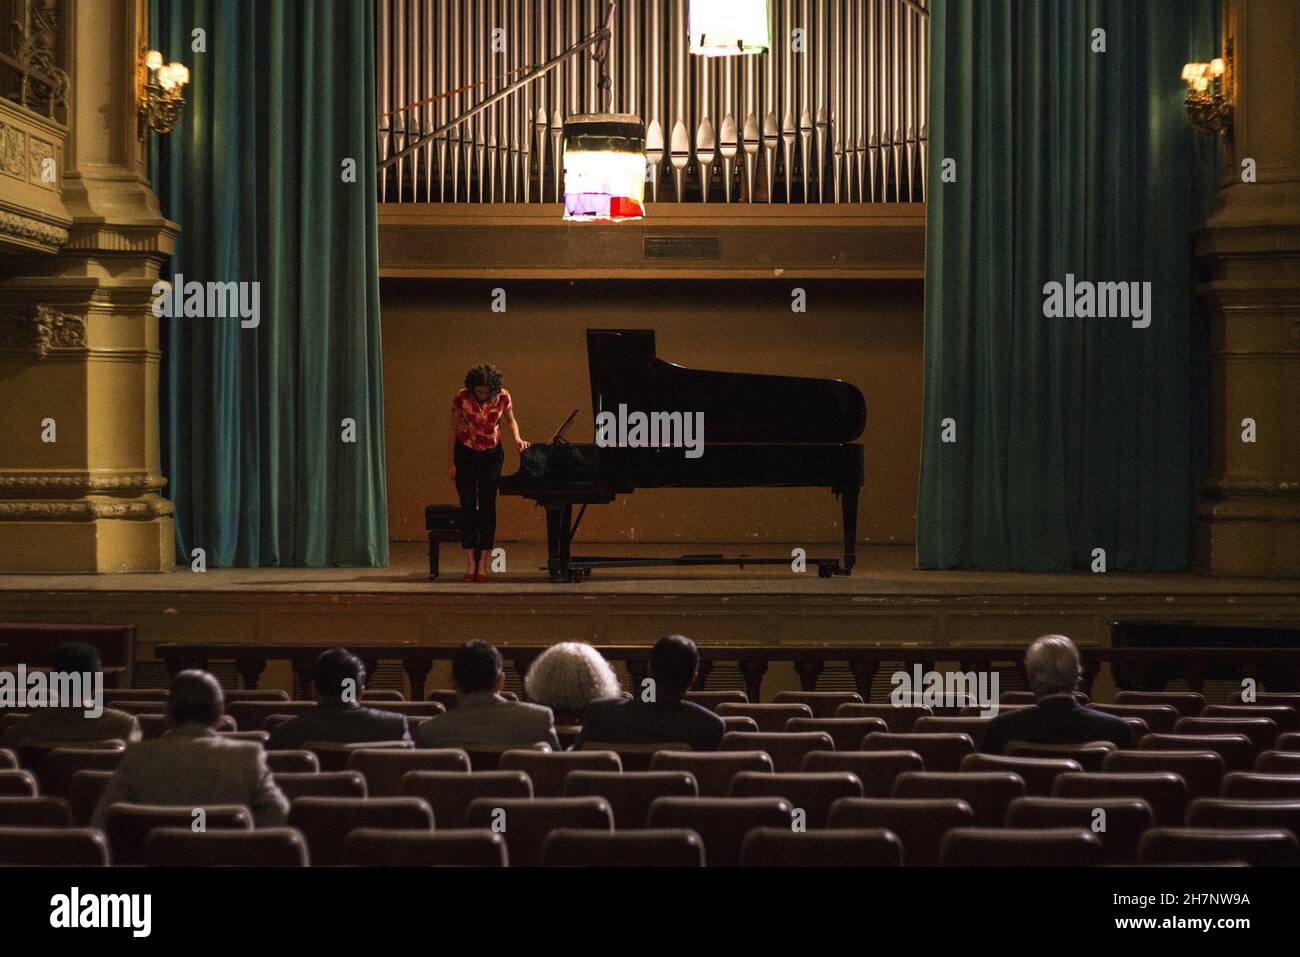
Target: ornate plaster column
[
  {"x": 83, "y": 239},
  {"x": 1249, "y": 520}
]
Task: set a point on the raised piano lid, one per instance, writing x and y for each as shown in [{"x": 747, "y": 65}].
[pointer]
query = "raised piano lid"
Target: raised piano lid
[{"x": 737, "y": 406}]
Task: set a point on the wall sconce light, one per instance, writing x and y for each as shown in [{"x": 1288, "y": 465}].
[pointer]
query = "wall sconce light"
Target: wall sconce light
[
  {"x": 1208, "y": 109},
  {"x": 729, "y": 27},
  {"x": 158, "y": 92}
]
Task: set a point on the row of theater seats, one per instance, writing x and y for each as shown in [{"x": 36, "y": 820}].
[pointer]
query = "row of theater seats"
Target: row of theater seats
[
  {"x": 686, "y": 832},
  {"x": 720, "y": 796},
  {"x": 907, "y": 753},
  {"x": 249, "y": 712},
  {"x": 823, "y": 703}
]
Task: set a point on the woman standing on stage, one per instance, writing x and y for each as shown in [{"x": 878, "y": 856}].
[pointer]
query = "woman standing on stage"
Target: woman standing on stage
[{"x": 477, "y": 412}]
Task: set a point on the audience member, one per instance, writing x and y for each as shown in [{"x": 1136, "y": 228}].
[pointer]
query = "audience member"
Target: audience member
[
  {"x": 569, "y": 676},
  {"x": 658, "y": 711},
  {"x": 1052, "y": 666},
  {"x": 340, "y": 677},
  {"x": 68, "y": 722},
  {"x": 191, "y": 765},
  {"x": 482, "y": 717}
]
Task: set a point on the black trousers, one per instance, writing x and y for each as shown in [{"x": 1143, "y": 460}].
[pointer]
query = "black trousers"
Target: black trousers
[{"x": 477, "y": 476}]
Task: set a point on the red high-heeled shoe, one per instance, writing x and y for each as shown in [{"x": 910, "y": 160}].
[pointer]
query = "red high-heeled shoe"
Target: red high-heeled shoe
[
  {"x": 470, "y": 577},
  {"x": 480, "y": 577}
]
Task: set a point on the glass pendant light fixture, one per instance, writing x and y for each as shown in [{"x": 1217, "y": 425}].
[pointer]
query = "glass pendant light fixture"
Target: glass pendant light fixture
[
  {"x": 604, "y": 168},
  {"x": 729, "y": 27},
  {"x": 604, "y": 153}
]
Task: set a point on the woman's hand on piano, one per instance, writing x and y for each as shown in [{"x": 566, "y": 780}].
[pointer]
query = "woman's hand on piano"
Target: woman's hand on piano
[{"x": 522, "y": 444}]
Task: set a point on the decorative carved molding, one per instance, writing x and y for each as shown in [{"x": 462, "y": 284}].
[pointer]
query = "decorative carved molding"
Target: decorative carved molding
[
  {"x": 40, "y": 151},
  {"x": 84, "y": 483},
  {"x": 43, "y": 84},
  {"x": 145, "y": 508},
  {"x": 30, "y": 229},
  {"x": 156, "y": 239},
  {"x": 13, "y": 147},
  {"x": 1266, "y": 509},
  {"x": 40, "y": 329}
]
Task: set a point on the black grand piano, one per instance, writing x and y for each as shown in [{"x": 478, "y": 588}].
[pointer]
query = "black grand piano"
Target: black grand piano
[{"x": 759, "y": 430}]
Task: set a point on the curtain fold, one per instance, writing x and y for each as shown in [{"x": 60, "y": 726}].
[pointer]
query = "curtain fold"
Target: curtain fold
[
  {"x": 273, "y": 436},
  {"x": 1066, "y": 435}
]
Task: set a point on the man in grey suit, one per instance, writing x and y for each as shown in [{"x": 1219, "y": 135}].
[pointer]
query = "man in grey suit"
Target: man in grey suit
[
  {"x": 339, "y": 677},
  {"x": 482, "y": 718},
  {"x": 191, "y": 765}
]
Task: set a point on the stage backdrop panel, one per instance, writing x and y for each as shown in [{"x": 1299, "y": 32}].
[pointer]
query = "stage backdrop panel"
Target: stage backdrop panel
[{"x": 865, "y": 332}]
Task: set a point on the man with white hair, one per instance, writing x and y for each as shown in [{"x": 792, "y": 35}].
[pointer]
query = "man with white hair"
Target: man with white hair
[{"x": 1052, "y": 666}]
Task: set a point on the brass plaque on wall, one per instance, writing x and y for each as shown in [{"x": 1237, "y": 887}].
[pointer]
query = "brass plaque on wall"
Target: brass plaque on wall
[{"x": 682, "y": 247}]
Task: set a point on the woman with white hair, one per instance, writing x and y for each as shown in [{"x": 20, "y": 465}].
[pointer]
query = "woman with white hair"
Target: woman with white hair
[{"x": 569, "y": 676}]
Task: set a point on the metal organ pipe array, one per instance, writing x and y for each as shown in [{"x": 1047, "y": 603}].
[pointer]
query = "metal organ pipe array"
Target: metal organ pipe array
[{"x": 834, "y": 111}]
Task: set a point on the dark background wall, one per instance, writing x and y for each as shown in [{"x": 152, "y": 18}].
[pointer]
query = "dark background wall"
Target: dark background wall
[{"x": 865, "y": 332}]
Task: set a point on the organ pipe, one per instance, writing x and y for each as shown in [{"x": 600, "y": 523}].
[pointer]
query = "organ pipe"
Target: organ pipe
[{"x": 839, "y": 116}]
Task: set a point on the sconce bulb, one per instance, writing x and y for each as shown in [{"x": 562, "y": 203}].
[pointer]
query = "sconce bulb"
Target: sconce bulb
[
  {"x": 160, "y": 102},
  {"x": 1208, "y": 109}
]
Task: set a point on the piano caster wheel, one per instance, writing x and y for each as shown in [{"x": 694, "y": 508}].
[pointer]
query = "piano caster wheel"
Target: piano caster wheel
[
  {"x": 824, "y": 572},
  {"x": 577, "y": 576}
]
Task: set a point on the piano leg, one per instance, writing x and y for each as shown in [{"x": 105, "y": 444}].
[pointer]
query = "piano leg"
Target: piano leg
[
  {"x": 566, "y": 521},
  {"x": 559, "y": 534},
  {"x": 849, "y": 503}
]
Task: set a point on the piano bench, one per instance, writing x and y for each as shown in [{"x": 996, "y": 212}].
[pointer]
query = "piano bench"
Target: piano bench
[{"x": 443, "y": 523}]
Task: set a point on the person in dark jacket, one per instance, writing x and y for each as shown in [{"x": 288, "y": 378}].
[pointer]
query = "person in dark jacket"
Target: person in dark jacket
[
  {"x": 659, "y": 710},
  {"x": 68, "y": 723},
  {"x": 1057, "y": 717},
  {"x": 339, "y": 677}
]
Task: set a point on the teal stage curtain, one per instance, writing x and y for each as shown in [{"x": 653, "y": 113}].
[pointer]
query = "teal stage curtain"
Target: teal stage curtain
[
  {"x": 254, "y": 435},
  {"x": 1071, "y": 434}
]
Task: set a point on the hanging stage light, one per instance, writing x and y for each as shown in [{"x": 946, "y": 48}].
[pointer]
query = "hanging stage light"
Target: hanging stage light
[
  {"x": 729, "y": 27},
  {"x": 604, "y": 167},
  {"x": 604, "y": 153}
]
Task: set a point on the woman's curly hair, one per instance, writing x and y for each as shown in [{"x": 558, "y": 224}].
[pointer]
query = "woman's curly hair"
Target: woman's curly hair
[
  {"x": 488, "y": 375},
  {"x": 569, "y": 676}
]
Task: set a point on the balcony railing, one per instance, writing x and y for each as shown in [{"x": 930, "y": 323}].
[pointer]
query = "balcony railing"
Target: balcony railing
[
  {"x": 1144, "y": 668},
  {"x": 31, "y": 61}
]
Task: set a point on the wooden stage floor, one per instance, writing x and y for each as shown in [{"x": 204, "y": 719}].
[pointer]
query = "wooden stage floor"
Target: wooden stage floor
[
  {"x": 883, "y": 571},
  {"x": 886, "y": 601}
]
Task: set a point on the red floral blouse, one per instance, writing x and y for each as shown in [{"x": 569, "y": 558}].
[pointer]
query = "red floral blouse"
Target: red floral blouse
[{"x": 480, "y": 427}]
